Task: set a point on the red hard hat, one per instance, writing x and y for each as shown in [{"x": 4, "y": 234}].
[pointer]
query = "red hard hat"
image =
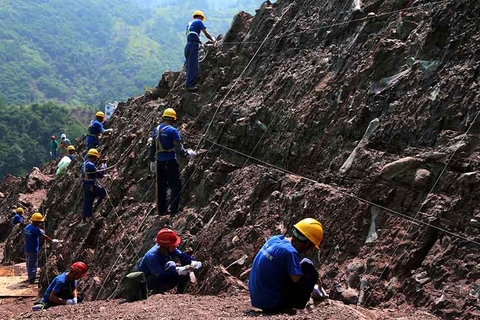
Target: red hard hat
[
  {"x": 79, "y": 267},
  {"x": 168, "y": 238},
  {"x": 53, "y": 137}
]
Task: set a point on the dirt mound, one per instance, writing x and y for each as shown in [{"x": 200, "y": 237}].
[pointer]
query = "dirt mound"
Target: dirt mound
[{"x": 366, "y": 119}]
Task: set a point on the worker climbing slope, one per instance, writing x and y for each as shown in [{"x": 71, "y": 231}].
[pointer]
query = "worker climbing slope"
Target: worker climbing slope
[
  {"x": 159, "y": 267},
  {"x": 165, "y": 144},
  {"x": 95, "y": 129},
  {"x": 192, "y": 49},
  {"x": 33, "y": 234},
  {"x": 90, "y": 187},
  {"x": 279, "y": 281},
  {"x": 63, "y": 289}
]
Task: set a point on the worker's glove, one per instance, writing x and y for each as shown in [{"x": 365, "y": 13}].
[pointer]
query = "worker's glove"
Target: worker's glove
[
  {"x": 191, "y": 153},
  {"x": 103, "y": 166},
  {"x": 71, "y": 301},
  {"x": 153, "y": 166},
  {"x": 109, "y": 130},
  {"x": 183, "y": 271},
  {"x": 196, "y": 264},
  {"x": 55, "y": 241}
]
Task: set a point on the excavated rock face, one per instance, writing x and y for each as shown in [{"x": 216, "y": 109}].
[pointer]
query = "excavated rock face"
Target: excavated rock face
[{"x": 299, "y": 94}]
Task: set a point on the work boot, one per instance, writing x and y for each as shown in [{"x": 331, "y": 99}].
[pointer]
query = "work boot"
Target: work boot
[{"x": 191, "y": 89}]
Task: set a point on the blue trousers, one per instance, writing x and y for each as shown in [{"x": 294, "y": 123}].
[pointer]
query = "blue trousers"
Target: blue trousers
[
  {"x": 54, "y": 155},
  {"x": 90, "y": 192},
  {"x": 168, "y": 280},
  {"x": 192, "y": 49},
  {"x": 32, "y": 264},
  {"x": 168, "y": 176},
  {"x": 296, "y": 294}
]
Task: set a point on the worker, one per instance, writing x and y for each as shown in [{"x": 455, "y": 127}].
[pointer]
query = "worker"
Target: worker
[
  {"x": 166, "y": 143},
  {"x": 95, "y": 129},
  {"x": 158, "y": 264},
  {"x": 32, "y": 234},
  {"x": 192, "y": 49},
  {"x": 53, "y": 147},
  {"x": 64, "y": 144},
  {"x": 63, "y": 289},
  {"x": 91, "y": 188},
  {"x": 71, "y": 152},
  {"x": 18, "y": 217},
  {"x": 279, "y": 281}
]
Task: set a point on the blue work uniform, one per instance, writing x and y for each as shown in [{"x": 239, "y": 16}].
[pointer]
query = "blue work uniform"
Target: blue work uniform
[
  {"x": 70, "y": 156},
  {"x": 91, "y": 189},
  {"x": 17, "y": 219},
  {"x": 192, "y": 49},
  {"x": 62, "y": 287},
  {"x": 271, "y": 286},
  {"x": 168, "y": 171},
  {"x": 32, "y": 244},
  {"x": 160, "y": 270},
  {"x": 94, "y": 130}
]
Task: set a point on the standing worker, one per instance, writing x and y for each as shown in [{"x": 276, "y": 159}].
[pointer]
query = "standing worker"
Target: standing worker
[
  {"x": 192, "y": 49},
  {"x": 95, "y": 129},
  {"x": 90, "y": 187},
  {"x": 53, "y": 147},
  {"x": 18, "y": 217},
  {"x": 160, "y": 270},
  {"x": 165, "y": 144},
  {"x": 279, "y": 281},
  {"x": 63, "y": 289},
  {"x": 64, "y": 143},
  {"x": 33, "y": 234}
]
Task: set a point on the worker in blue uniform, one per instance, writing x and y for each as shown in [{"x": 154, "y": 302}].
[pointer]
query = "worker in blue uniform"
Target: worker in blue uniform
[
  {"x": 32, "y": 234},
  {"x": 95, "y": 129},
  {"x": 165, "y": 144},
  {"x": 159, "y": 267},
  {"x": 192, "y": 48},
  {"x": 90, "y": 187},
  {"x": 279, "y": 281},
  {"x": 18, "y": 217},
  {"x": 71, "y": 152},
  {"x": 63, "y": 289}
]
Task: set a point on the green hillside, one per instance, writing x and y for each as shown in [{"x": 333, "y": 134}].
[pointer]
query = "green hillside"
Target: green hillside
[{"x": 88, "y": 51}]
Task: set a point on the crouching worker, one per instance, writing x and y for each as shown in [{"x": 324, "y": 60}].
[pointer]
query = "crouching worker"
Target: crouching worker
[
  {"x": 279, "y": 281},
  {"x": 159, "y": 267},
  {"x": 63, "y": 289}
]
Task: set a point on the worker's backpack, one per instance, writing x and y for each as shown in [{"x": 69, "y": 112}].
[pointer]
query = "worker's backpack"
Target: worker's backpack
[{"x": 136, "y": 286}]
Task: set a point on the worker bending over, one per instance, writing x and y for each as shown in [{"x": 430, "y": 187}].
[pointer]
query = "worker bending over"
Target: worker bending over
[
  {"x": 159, "y": 266},
  {"x": 95, "y": 129},
  {"x": 32, "y": 234},
  {"x": 279, "y": 281},
  {"x": 166, "y": 143},
  {"x": 90, "y": 187},
  {"x": 63, "y": 289}
]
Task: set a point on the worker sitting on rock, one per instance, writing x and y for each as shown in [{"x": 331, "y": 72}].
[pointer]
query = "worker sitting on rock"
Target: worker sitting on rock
[
  {"x": 166, "y": 143},
  {"x": 159, "y": 267},
  {"x": 33, "y": 234},
  {"x": 90, "y": 187},
  {"x": 18, "y": 217},
  {"x": 63, "y": 289},
  {"x": 279, "y": 281},
  {"x": 192, "y": 48},
  {"x": 71, "y": 152},
  {"x": 95, "y": 129}
]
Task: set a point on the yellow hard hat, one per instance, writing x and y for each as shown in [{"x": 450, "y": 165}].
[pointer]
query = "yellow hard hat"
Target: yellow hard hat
[
  {"x": 311, "y": 229},
  {"x": 70, "y": 148},
  {"x": 37, "y": 216},
  {"x": 93, "y": 153},
  {"x": 100, "y": 114},
  {"x": 19, "y": 210},
  {"x": 199, "y": 13},
  {"x": 169, "y": 113}
]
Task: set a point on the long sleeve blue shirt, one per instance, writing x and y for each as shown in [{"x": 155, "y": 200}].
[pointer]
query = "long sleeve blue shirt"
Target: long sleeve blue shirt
[{"x": 153, "y": 262}]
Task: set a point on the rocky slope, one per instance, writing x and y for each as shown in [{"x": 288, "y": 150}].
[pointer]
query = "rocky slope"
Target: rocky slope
[{"x": 348, "y": 115}]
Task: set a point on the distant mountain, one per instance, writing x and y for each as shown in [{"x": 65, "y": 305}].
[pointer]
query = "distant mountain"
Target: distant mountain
[{"x": 90, "y": 51}]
